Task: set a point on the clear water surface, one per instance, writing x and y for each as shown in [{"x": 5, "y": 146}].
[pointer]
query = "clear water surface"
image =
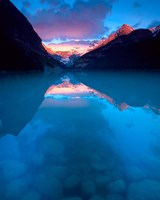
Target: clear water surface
[{"x": 95, "y": 136}]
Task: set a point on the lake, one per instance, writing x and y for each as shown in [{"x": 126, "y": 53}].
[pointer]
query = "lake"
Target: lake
[{"x": 80, "y": 136}]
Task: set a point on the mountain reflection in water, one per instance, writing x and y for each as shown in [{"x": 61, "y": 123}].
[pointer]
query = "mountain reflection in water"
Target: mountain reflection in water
[{"x": 87, "y": 143}]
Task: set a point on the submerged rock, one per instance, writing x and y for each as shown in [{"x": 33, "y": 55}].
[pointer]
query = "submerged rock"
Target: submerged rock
[
  {"x": 114, "y": 197},
  {"x": 13, "y": 151},
  {"x": 116, "y": 174},
  {"x": 99, "y": 166},
  {"x": 72, "y": 198},
  {"x": 96, "y": 197},
  {"x": 59, "y": 172},
  {"x": 134, "y": 173},
  {"x": 38, "y": 159},
  {"x": 118, "y": 186},
  {"x": 32, "y": 195},
  {"x": 52, "y": 147},
  {"x": 88, "y": 188},
  {"x": 49, "y": 186},
  {"x": 144, "y": 190},
  {"x": 13, "y": 169},
  {"x": 16, "y": 189},
  {"x": 102, "y": 180},
  {"x": 72, "y": 182}
]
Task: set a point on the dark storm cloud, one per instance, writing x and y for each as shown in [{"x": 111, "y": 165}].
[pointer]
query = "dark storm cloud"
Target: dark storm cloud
[
  {"x": 136, "y": 5},
  {"x": 153, "y": 23},
  {"x": 84, "y": 19}
]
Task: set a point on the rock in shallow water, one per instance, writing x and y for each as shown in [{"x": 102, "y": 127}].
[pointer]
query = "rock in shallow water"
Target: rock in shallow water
[
  {"x": 118, "y": 186},
  {"x": 88, "y": 188},
  {"x": 144, "y": 190},
  {"x": 134, "y": 173},
  {"x": 114, "y": 197},
  {"x": 99, "y": 166},
  {"x": 102, "y": 180},
  {"x": 13, "y": 169},
  {"x": 49, "y": 186},
  {"x": 72, "y": 198},
  {"x": 72, "y": 182},
  {"x": 38, "y": 159},
  {"x": 52, "y": 147},
  {"x": 16, "y": 189},
  {"x": 96, "y": 197},
  {"x": 59, "y": 172},
  {"x": 32, "y": 195}
]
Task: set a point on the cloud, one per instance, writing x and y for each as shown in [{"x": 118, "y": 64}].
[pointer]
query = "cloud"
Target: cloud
[
  {"x": 53, "y": 2},
  {"x": 26, "y": 4},
  {"x": 137, "y": 5},
  {"x": 137, "y": 25},
  {"x": 153, "y": 23},
  {"x": 84, "y": 19}
]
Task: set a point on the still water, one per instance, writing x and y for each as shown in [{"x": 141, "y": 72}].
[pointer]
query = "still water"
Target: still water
[{"x": 95, "y": 136}]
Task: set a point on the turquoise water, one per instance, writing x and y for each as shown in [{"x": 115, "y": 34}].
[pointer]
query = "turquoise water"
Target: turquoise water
[{"x": 95, "y": 136}]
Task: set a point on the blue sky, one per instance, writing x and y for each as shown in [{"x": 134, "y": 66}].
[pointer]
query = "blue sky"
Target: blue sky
[{"x": 87, "y": 19}]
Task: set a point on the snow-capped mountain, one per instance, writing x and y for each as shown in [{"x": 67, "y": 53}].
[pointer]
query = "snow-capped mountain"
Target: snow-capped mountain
[
  {"x": 66, "y": 51},
  {"x": 136, "y": 50},
  {"x": 125, "y": 29},
  {"x": 155, "y": 30}
]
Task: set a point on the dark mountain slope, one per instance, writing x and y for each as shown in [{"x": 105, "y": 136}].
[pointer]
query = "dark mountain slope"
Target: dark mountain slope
[
  {"x": 20, "y": 46},
  {"x": 138, "y": 50}
]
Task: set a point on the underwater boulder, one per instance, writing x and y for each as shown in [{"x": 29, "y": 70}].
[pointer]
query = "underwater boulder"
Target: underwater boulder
[
  {"x": 134, "y": 173},
  {"x": 52, "y": 147},
  {"x": 102, "y": 180},
  {"x": 49, "y": 186},
  {"x": 38, "y": 159},
  {"x": 96, "y": 197},
  {"x": 88, "y": 188},
  {"x": 16, "y": 189},
  {"x": 72, "y": 198},
  {"x": 59, "y": 172},
  {"x": 72, "y": 182},
  {"x": 144, "y": 190},
  {"x": 32, "y": 195},
  {"x": 117, "y": 186},
  {"x": 13, "y": 169},
  {"x": 114, "y": 197}
]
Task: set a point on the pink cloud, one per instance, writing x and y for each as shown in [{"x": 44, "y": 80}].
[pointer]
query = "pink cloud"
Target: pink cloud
[{"x": 85, "y": 19}]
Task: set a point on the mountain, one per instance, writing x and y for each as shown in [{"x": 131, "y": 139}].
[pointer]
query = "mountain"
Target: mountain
[
  {"x": 21, "y": 47},
  {"x": 137, "y": 50},
  {"x": 125, "y": 29},
  {"x": 66, "y": 52},
  {"x": 155, "y": 30}
]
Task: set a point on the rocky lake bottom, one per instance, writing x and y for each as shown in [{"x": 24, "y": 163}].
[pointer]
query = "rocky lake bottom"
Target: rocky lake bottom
[{"x": 83, "y": 145}]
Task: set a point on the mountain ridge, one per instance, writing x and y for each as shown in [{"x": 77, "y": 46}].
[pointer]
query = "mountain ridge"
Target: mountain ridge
[
  {"x": 17, "y": 36},
  {"x": 137, "y": 50}
]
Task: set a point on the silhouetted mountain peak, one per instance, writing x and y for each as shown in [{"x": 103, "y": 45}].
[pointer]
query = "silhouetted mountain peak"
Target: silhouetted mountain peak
[{"x": 21, "y": 47}]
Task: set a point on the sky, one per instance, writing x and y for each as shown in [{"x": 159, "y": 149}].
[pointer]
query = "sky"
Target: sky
[{"x": 65, "y": 20}]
